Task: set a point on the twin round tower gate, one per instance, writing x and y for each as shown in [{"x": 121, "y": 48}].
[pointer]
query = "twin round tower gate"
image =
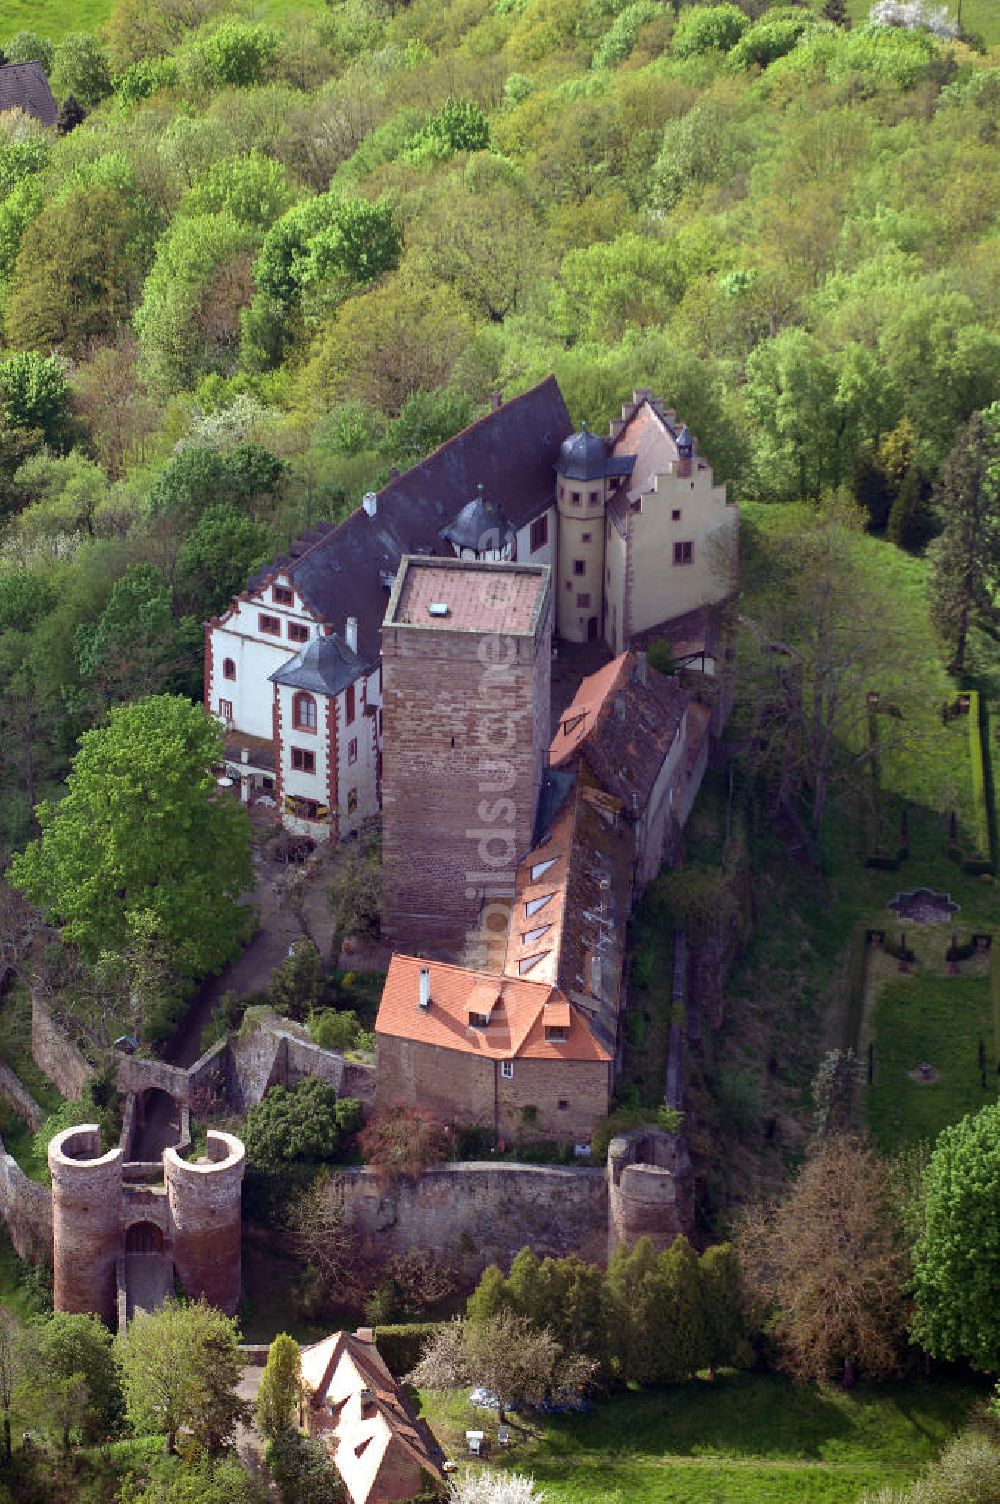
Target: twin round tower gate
[{"x": 122, "y": 1232}]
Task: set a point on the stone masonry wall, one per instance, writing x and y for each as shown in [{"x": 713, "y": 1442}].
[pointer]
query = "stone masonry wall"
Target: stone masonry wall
[
  {"x": 477, "y": 1214},
  {"x": 14, "y": 1091},
  {"x": 56, "y": 1054},
  {"x": 26, "y": 1209}
]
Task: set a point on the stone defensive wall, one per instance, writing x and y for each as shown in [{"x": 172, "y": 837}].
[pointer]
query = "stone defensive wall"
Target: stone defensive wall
[
  {"x": 474, "y": 1214},
  {"x": 55, "y": 1054},
  {"x": 26, "y": 1210}
]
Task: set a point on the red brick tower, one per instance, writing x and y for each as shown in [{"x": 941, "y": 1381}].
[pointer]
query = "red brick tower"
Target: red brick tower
[
  {"x": 205, "y": 1208},
  {"x": 466, "y": 664},
  {"x": 86, "y": 1222}
]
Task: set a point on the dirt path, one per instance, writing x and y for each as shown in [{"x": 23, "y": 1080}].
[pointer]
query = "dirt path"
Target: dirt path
[{"x": 252, "y": 969}]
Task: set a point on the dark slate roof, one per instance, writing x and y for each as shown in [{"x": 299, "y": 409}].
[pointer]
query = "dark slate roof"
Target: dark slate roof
[
  {"x": 583, "y": 456},
  {"x": 348, "y": 570},
  {"x": 23, "y": 86},
  {"x": 325, "y": 665},
  {"x": 480, "y": 525}
]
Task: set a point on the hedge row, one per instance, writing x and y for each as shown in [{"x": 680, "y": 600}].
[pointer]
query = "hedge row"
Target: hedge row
[
  {"x": 401, "y": 1347},
  {"x": 983, "y": 859}
]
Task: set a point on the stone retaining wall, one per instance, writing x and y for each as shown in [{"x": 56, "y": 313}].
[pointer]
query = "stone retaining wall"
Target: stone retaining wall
[
  {"x": 55, "y": 1053},
  {"x": 476, "y": 1214},
  {"x": 14, "y": 1091},
  {"x": 26, "y": 1210}
]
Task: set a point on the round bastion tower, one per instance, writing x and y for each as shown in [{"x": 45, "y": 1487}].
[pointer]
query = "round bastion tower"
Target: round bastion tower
[
  {"x": 580, "y": 497},
  {"x": 86, "y": 1222},
  {"x": 204, "y": 1197}
]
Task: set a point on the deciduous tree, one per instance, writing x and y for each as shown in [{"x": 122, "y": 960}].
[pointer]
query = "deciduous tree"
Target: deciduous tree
[
  {"x": 141, "y": 832},
  {"x": 831, "y": 1261},
  {"x": 965, "y": 559},
  {"x": 180, "y": 1368},
  {"x": 958, "y": 1254}
]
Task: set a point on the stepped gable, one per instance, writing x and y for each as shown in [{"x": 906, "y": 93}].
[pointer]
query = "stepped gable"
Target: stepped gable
[
  {"x": 622, "y": 721},
  {"x": 348, "y": 570},
  {"x": 23, "y": 86}
]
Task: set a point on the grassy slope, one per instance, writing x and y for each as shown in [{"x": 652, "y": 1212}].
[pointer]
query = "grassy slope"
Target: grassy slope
[
  {"x": 742, "y": 1440},
  {"x": 54, "y": 18},
  {"x": 982, "y": 16}
]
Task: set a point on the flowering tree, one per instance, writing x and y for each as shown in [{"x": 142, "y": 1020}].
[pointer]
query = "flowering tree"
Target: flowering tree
[
  {"x": 914, "y": 15},
  {"x": 488, "y": 1487}
]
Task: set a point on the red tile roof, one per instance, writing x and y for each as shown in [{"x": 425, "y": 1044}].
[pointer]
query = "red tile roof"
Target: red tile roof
[{"x": 519, "y": 1013}]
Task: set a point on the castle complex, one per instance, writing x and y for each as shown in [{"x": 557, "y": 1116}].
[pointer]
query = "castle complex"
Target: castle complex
[{"x": 632, "y": 527}]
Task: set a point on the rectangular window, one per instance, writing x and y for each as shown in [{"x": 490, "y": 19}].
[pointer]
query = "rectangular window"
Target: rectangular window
[
  {"x": 352, "y": 750},
  {"x": 683, "y": 553},
  {"x": 675, "y": 515},
  {"x": 574, "y": 497},
  {"x": 352, "y": 802},
  {"x": 282, "y": 596},
  {"x": 507, "y": 1069},
  {"x": 297, "y": 632},
  {"x": 585, "y": 537},
  {"x": 349, "y": 705},
  {"x": 579, "y": 566},
  {"x": 539, "y": 533},
  {"x": 595, "y": 498},
  {"x": 226, "y": 709},
  {"x": 583, "y": 598},
  {"x": 269, "y": 624},
  {"x": 303, "y": 761}
]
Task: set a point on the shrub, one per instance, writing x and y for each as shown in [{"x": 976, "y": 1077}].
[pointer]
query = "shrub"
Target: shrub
[
  {"x": 708, "y": 28},
  {"x": 622, "y": 1119},
  {"x": 983, "y": 859},
  {"x": 404, "y": 1142},
  {"x": 334, "y": 1031},
  {"x": 305, "y": 1123},
  {"x": 239, "y": 55}
]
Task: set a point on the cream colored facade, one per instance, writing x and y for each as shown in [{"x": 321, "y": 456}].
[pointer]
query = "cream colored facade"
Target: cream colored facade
[{"x": 645, "y": 534}]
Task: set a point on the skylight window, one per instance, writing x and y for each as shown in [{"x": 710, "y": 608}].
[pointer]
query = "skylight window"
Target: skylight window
[
  {"x": 540, "y": 868},
  {"x": 529, "y": 962},
  {"x": 534, "y": 904},
  {"x": 530, "y": 936}
]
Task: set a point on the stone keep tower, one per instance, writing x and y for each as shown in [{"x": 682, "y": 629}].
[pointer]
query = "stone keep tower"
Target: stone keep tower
[
  {"x": 86, "y": 1222},
  {"x": 205, "y": 1210},
  {"x": 466, "y": 666}
]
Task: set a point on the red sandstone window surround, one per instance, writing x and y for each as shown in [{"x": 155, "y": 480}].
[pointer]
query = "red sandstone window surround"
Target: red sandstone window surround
[
  {"x": 226, "y": 709},
  {"x": 269, "y": 624},
  {"x": 297, "y": 632},
  {"x": 282, "y": 596},
  {"x": 228, "y": 668},
  {"x": 349, "y": 705},
  {"x": 303, "y": 761},
  {"x": 539, "y": 533},
  {"x": 352, "y": 802},
  {"x": 683, "y": 553},
  {"x": 304, "y": 712},
  {"x": 352, "y": 750}
]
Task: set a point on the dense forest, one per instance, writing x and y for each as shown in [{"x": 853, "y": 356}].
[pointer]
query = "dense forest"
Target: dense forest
[{"x": 257, "y": 264}]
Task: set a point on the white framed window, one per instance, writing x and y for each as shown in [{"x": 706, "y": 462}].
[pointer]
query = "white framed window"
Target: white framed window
[{"x": 507, "y": 1069}]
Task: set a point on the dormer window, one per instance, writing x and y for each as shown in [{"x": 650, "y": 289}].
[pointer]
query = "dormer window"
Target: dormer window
[
  {"x": 282, "y": 595},
  {"x": 479, "y": 1020},
  {"x": 540, "y": 868},
  {"x": 534, "y": 904},
  {"x": 555, "y": 1034}
]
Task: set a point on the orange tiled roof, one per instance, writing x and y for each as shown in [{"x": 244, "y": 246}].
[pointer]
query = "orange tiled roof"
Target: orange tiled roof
[
  {"x": 580, "y": 716},
  {"x": 518, "y": 1016}
]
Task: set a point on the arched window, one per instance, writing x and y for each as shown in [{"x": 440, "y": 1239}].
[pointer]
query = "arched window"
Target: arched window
[
  {"x": 228, "y": 668},
  {"x": 304, "y": 713}
]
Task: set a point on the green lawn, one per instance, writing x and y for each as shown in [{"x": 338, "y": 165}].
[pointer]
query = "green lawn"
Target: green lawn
[
  {"x": 939, "y": 1019},
  {"x": 54, "y": 18},
  {"x": 746, "y": 1439}
]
